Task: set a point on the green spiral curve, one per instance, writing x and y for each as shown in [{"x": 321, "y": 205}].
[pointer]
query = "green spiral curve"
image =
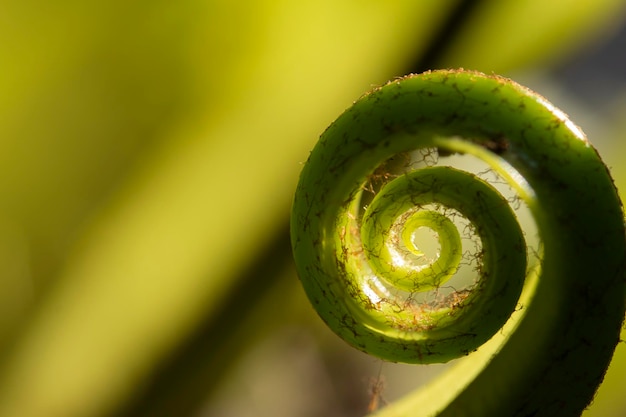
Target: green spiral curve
[{"x": 357, "y": 223}]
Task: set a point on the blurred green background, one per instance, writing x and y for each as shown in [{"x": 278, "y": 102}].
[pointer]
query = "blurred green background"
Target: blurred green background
[{"x": 150, "y": 150}]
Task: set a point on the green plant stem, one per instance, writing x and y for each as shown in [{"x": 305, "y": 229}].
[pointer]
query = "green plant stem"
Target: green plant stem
[{"x": 551, "y": 357}]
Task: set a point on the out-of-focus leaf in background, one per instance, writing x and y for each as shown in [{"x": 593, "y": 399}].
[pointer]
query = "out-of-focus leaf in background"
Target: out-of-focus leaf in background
[{"x": 149, "y": 155}]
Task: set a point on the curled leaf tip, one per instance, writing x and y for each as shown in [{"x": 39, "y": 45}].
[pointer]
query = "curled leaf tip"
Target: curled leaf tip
[{"x": 425, "y": 208}]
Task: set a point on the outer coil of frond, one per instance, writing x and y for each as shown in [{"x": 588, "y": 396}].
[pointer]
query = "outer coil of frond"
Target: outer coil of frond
[{"x": 352, "y": 259}]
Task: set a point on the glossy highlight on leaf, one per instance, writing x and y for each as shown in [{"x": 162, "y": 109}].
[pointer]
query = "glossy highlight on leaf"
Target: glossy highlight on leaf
[{"x": 377, "y": 185}]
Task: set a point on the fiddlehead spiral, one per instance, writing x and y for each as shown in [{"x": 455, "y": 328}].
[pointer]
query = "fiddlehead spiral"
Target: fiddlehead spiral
[{"x": 369, "y": 195}]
